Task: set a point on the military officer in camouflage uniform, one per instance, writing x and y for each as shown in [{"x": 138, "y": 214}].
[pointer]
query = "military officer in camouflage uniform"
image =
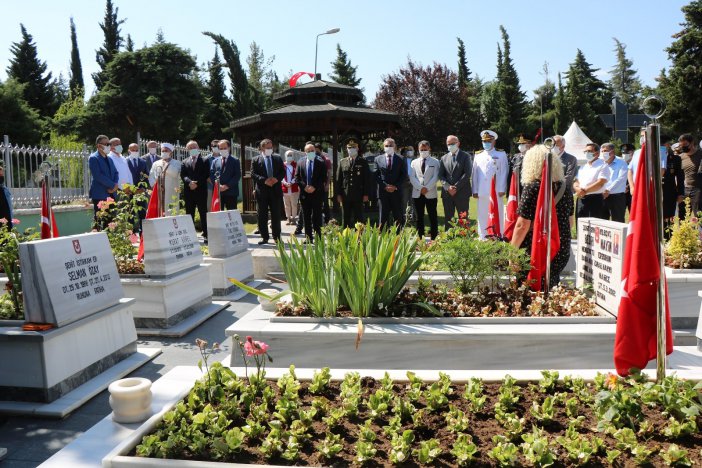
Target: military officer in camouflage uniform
[{"x": 352, "y": 184}]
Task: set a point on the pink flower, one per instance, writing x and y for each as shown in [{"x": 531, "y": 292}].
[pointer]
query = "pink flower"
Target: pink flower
[
  {"x": 15, "y": 221},
  {"x": 110, "y": 200},
  {"x": 134, "y": 239},
  {"x": 3, "y": 220},
  {"x": 693, "y": 220},
  {"x": 252, "y": 348},
  {"x": 112, "y": 225}
]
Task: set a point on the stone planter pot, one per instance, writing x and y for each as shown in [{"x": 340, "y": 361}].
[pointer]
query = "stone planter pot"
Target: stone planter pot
[
  {"x": 268, "y": 306},
  {"x": 683, "y": 298},
  {"x": 239, "y": 267},
  {"x": 130, "y": 400}
]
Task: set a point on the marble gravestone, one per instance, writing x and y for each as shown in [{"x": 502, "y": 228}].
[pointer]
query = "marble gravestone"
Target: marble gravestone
[
  {"x": 68, "y": 278},
  {"x": 226, "y": 235},
  {"x": 170, "y": 245}
]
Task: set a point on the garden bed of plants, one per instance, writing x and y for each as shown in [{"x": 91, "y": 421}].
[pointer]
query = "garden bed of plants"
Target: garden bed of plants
[
  {"x": 361, "y": 421},
  {"x": 11, "y": 302}
]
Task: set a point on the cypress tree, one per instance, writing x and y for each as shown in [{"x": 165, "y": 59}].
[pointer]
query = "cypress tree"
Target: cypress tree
[
  {"x": 562, "y": 119},
  {"x": 75, "y": 83},
  {"x": 26, "y": 68},
  {"x": 625, "y": 85},
  {"x": 111, "y": 44},
  {"x": 511, "y": 99},
  {"x": 463, "y": 71},
  {"x": 130, "y": 44},
  {"x": 586, "y": 96},
  {"x": 344, "y": 73},
  {"x": 217, "y": 116}
]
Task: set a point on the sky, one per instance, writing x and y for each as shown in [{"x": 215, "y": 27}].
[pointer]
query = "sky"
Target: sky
[{"x": 378, "y": 35}]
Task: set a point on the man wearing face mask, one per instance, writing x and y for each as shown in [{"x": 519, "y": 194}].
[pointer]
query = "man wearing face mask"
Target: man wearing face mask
[
  {"x": 673, "y": 188},
  {"x": 169, "y": 168},
  {"x": 691, "y": 156},
  {"x": 105, "y": 178},
  {"x": 311, "y": 177},
  {"x": 515, "y": 163},
  {"x": 627, "y": 151},
  {"x": 455, "y": 171},
  {"x": 5, "y": 200},
  {"x": 194, "y": 173},
  {"x": 228, "y": 168},
  {"x": 424, "y": 176},
  {"x": 125, "y": 175},
  {"x": 570, "y": 167},
  {"x": 267, "y": 172},
  {"x": 352, "y": 184},
  {"x": 589, "y": 184},
  {"x": 390, "y": 175},
  {"x": 326, "y": 216},
  {"x": 613, "y": 195},
  {"x": 151, "y": 155},
  {"x": 408, "y": 156},
  {"x": 137, "y": 166},
  {"x": 488, "y": 163}
]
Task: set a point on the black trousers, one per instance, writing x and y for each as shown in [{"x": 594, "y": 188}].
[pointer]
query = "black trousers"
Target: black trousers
[
  {"x": 591, "y": 206},
  {"x": 391, "y": 203},
  {"x": 312, "y": 208},
  {"x": 325, "y": 208},
  {"x": 193, "y": 201},
  {"x": 430, "y": 204},
  {"x": 228, "y": 201},
  {"x": 693, "y": 193},
  {"x": 353, "y": 212},
  {"x": 300, "y": 217},
  {"x": 272, "y": 203},
  {"x": 454, "y": 206},
  {"x": 615, "y": 207}
]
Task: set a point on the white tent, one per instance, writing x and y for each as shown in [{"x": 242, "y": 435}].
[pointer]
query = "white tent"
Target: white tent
[{"x": 575, "y": 142}]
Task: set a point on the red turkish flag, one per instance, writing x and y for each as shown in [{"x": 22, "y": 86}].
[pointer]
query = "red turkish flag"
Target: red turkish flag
[
  {"x": 293, "y": 79},
  {"x": 151, "y": 212},
  {"x": 512, "y": 204},
  {"x": 494, "y": 228},
  {"x": 48, "y": 230},
  {"x": 538, "y": 243},
  {"x": 635, "y": 340},
  {"x": 214, "y": 206}
]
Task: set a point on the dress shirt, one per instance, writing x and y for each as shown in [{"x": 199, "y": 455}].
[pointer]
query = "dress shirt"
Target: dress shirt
[
  {"x": 589, "y": 173},
  {"x": 617, "y": 182},
  {"x": 125, "y": 175}
]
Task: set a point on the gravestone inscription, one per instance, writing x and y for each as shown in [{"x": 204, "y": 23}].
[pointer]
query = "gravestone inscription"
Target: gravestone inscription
[
  {"x": 170, "y": 245},
  {"x": 226, "y": 234}
]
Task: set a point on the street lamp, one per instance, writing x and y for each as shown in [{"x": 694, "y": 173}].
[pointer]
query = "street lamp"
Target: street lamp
[{"x": 316, "y": 46}]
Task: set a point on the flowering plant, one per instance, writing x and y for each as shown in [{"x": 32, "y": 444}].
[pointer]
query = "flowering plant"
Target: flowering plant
[
  {"x": 258, "y": 350},
  {"x": 684, "y": 249},
  {"x": 11, "y": 303}
]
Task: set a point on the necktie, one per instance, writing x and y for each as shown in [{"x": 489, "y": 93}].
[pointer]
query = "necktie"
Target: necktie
[
  {"x": 309, "y": 172},
  {"x": 424, "y": 165},
  {"x": 269, "y": 171},
  {"x": 389, "y": 163}
]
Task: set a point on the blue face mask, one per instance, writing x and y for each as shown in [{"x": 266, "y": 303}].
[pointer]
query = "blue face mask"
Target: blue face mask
[
  {"x": 311, "y": 156},
  {"x": 487, "y": 145}
]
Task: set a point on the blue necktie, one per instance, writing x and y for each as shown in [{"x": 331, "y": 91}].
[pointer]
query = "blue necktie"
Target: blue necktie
[
  {"x": 268, "y": 166},
  {"x": 309, "y": 172}
]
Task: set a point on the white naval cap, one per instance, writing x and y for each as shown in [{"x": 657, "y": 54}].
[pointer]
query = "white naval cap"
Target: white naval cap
[{"x": 487, "y": 135}]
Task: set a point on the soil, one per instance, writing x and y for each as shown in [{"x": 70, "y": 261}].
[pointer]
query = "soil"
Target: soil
[{"x": 482, "y": 428}]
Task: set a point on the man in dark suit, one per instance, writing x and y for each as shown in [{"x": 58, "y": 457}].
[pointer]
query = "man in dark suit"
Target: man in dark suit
[
  {"x": 455, "y": 174},
  {"x": 137, "y": 166},
  {"x": 311, "y": 177},
  {"x": 151, "y": 157},
  {"x": 267, "y": 170},
  {"x": 104, "y": 174},
  {"x": 570, "y": 166},
  {"x": 194, "y": 172},
  {"x": 391, "y": 173},
  {"x": 228, "y": 168}
]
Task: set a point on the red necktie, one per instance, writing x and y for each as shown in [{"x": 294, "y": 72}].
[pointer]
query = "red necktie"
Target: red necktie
[{"x": 389, "y": 163}]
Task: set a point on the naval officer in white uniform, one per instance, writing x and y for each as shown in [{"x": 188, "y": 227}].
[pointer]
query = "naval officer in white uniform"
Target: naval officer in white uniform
[{"x": 488, "y": 163}]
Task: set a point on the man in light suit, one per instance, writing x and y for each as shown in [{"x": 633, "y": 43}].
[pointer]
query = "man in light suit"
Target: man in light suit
[
  {"x": 311, "y": 177},
  {"x": 391, "y": 172},
  {"x": 424, "y": 175},
  {"x": 456, "y": 169}
]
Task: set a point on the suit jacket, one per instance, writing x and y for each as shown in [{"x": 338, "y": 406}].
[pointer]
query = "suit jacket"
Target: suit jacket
[
  {"x": 317, "y": 179},
  {"x": 198, "y": 172},
  {"x": 229, "y": 175},
  {"x": 259, "y": 174},
  {"x": 137, "y": 166},
  {"x": 428, "y": 179},
  {"x": 570, "y": 168},
  {"x": 5, "y": 192},
  {"x": 353, "y": 178},
  {"x": 395, "y": 176},
  {"x": 458, "y": 174},
  {"x": 104, "y": 176},
  {"x": 149, "y": 163}
]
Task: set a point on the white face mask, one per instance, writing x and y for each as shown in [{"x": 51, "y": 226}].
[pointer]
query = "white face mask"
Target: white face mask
[
  {"x": 224, "y": 153},
  {"x": 133, "y": 154},
  {"x": 268, "y": 152},
  {"x": 215, "y": 151},
  {"x": 424, "y": 154},
  {"x": 353, "y": 152},
  {"x": 453, "y": 147},
  {"x": 409, "y": 154},
  {"x": 589, "y": 156},
  {"x": 627, "y": 156},
  {"x": 152, "y": 151},
  {"x": 118, "y": 149},
  {"x": 289, "y": 159},
  {"x": 389, "y": 150},
  {"x": 194, "y": 152},
  {"x": 522, "y": 148},
  {"x": 556, "y": 150},
  {"x": 165, "y": 154}
]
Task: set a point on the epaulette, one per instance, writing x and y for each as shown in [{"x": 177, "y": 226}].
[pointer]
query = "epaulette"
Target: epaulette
[{"x": 479, "y": 151}]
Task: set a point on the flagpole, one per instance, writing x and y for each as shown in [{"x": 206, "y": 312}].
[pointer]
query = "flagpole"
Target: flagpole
[
  {"x": 219, "y": 191},
  {"x": 45, "y": 169},
  {"x": 548, "y": 143},
  {"x": 654, "y": 179}
]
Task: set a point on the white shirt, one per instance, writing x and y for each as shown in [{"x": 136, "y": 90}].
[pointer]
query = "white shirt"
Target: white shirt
[
  {"x": 617, "y": 182},
  {"x": 589, "y": 173},
  {"x": 485, "y": 165},
  {"x": 125, "y": 175}
]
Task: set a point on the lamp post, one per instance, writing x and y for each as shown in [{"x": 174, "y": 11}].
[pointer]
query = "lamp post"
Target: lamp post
[{"x": 316, "y": 47}]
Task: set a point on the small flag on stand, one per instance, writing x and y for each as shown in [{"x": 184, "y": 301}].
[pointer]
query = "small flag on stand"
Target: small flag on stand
[
  {"x": 48, "y": 228},
  {"x": 512, "y": 204},
  {"x": 538, "y": 243},
  {"x": 635, "y": 342},
  {"x": 151, "y": 212},
  {"x": 494, "y": 229}
]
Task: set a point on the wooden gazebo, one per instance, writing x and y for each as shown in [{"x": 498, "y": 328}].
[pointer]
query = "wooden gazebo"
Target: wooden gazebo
[{"x": 321, "y": 111}]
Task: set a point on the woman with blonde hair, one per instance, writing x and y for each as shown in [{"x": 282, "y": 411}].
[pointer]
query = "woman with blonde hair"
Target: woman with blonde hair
[{"x": 531, "y": 180}]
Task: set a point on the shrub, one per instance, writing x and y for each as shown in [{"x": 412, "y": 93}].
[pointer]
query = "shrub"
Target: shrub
[{"x": 684, "y": 249}]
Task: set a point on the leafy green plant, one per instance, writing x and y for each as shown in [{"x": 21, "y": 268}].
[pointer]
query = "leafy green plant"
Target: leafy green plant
[
  {"x": 505, "y": 453},
  {"x": 536, "y": 448},
  {"x": 401, "y": 446},
  {"x": 436, "y": 397},
  {"x": 365, "y": 452},
  {"x": 676, "y": 429},
  {"x": 548, "y": 382},
  {"x": 579, "y": 449},
  {"x": 378, "y": 403},
  {"x": 330, "y": 446},
  {"x": 456, "y": 420},
  {"x": 366, "y": 433},
  {"x": 427, "y": 452},
  {"x": 545, "y": 412},
  {"x": 464, "y": 450},
  {"x": 676, "y": 456}
]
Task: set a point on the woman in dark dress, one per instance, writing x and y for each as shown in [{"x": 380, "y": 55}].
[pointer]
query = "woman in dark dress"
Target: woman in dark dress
[
  {"x": 531, "y": 181},
  {"x": 673, "y": 188}
]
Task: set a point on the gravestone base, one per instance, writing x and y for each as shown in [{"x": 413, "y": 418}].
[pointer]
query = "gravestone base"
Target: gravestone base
[
  {"x": 162, "y": 303},
  {"x": 45, "y": 366},
  {"x": 239, "y": 267}
]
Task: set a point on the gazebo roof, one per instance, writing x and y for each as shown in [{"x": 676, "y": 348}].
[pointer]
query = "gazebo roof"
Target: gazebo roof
[{"x": 320, "y": 91}]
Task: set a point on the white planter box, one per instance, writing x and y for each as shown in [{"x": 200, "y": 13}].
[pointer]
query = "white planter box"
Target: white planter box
[
  {"x": 44, "y": 366},
  {"x": 455, "y": 343},
  {"x": 683, "y": 299},
  {"x": 239, "y": 267},
  {"x": 164, "y": 302}
]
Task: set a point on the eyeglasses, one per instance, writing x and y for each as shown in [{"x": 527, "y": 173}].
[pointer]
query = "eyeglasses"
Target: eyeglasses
[{"x": 389, "y": 146}]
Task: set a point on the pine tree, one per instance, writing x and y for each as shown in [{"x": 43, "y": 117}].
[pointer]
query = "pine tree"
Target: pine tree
[
  {"x": 511, "y": 99},
  {"x": 625, "y": 85},
  {"x": 586, "y": 96},
  {"x": 463, "y": 71},
  {"x": 76, "y": 83},
  {"x": 218, "y": 115},
  {"x": 61, "y": 91},
  {"x": 130, "y": 44},
  {"x": 344, "y": 73},
  {"x": 160, "y": 37},
  {"x": 562, "y": 118},
  {"x": 111, "y": 45},
  {"x": 681, "y": 85},
  {"x": 26, "y": 68}
]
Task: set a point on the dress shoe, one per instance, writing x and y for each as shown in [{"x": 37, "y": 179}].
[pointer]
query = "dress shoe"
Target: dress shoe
[{"x": 263, "y": 241}]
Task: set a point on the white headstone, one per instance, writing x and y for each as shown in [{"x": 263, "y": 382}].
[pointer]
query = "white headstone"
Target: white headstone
[
  {"x": 225, "y": 234},
  {"x": 170, "y": 245},
  {"x": 68, "y": 278},
  {"x": 599, "y": 260}
]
